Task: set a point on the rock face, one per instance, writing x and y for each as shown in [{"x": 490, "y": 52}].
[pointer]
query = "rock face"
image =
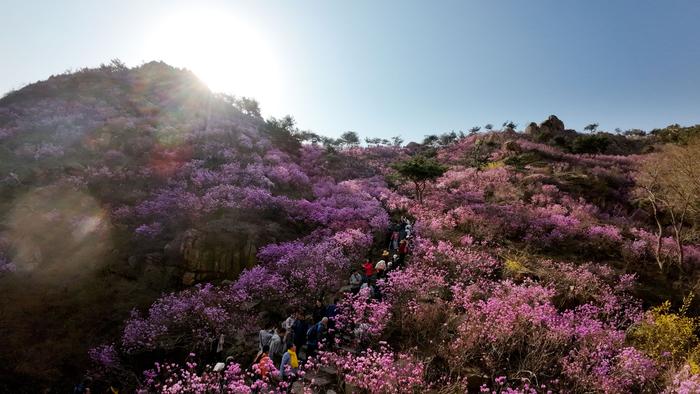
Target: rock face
[
  {"x": 532, "y": 128},
  {"x": 548, "y": 130},
  {"x": 552, "y": 125},
  {"x": 205, "y": 256}
]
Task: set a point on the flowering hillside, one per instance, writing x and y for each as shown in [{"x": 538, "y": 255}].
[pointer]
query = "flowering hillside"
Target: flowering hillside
[{"x": 151, "y": 229}]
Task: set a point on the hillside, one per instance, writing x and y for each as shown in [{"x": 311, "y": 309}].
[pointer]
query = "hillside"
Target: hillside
[{"x": 142, "y": 218}]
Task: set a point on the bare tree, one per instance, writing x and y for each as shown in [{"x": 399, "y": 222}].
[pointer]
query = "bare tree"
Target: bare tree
[{"x": 668, "y": 182}]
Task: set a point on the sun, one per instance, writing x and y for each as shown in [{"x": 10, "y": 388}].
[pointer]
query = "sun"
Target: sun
[{"x": 226, "y": 53}]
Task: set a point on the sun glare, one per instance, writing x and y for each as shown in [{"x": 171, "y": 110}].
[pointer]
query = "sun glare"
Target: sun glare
[{"x": 227, "y": 54}]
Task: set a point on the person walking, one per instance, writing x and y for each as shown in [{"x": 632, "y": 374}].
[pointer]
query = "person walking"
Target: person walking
[
  {"x": 277, "y": 345},
  {"x": 355, "y": 280},
  {"x": 287, "y": 325},
  {"x": 299, "y": 331},
  {"x": 314, "y": 335},
  {"x": 83, "y": 387},
  {"x": 380, "y": 268},
  {"x": 369, "y": 270},
  {"x": 331, "y": 313},
  {"x": 263, "y": 363},
  {"x": 394, "y": 241},
  {"x": 290, "y": 363},
  {"x": 319, "y": 310},
  {"x": 264, "y": 337},
  {"x": 403, "y": 251}
]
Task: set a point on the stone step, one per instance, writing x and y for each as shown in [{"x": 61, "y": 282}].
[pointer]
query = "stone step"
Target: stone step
[
  {"x": 319, "y": 380},
  {"x": 328, "y": 370}
]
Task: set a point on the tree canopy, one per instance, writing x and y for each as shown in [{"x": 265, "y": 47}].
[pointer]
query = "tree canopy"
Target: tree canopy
[{"x": 420, "y": 170}]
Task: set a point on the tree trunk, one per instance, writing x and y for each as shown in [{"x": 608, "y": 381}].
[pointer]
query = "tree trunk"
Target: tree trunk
[
  {"x": 678, "y": 233},
  {"x": 659, "y": 235}
]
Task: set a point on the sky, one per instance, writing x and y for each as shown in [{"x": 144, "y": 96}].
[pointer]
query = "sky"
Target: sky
[{"x": 383, "y": 68}]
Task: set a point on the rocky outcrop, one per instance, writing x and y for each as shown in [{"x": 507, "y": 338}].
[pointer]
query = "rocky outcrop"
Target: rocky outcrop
[
  {"x": 549, "y": 130},
  {"x": 206, "y": 256},
  {"x": 532, "y": 128},
  {"x": 552, "y": 125}
]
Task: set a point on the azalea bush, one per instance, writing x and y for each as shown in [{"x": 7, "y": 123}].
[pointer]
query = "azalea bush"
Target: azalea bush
[
  {"x": 191, "y": 378},
  {"x": 379, "y": 371},
  {"x": 527, "y": 266},
  {"x": 362, "y": 317}
]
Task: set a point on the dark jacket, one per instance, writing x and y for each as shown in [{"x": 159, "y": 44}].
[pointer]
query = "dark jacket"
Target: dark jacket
[{"x": 299, "y": 332}]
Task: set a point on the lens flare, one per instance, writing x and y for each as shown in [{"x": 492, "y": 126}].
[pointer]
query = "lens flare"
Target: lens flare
[{"x": 58, "y": 231}]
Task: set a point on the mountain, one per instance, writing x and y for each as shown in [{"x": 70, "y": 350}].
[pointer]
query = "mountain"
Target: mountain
[
  {"x": 118, "y": 184},
  {"x": 145, "y": 220}
]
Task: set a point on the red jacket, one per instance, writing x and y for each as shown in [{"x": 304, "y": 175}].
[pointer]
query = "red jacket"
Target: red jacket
[{"x": 369, "y": 268}]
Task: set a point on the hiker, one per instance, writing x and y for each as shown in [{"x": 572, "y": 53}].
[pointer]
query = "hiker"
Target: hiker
[
  {"x": 394, "y": 261},
  {"x": 262, "y": 363},
  {"x": 380, "y": 267},
  {"x": 355, "y": 280},
  {"x": 402, "y": 231},
  {"x": 331, "y": 313},
  {"x": 290, "y": 363},
  {"x": 319, "y": 310},
  {"x": 369, "y": 269},
  {"x": 264, "y": 337},
  {"x": 389, "y": 232},
  {"x": 220, "y": 343},
  {"x": 314, "y": 335},
  {"x": 376, "y": 293},
  {"x": 403, "y": 251},
  {"x": 394, "y": 241},
  {"x": 277, "y": 345},
  {"x": 83, "y": 387},
  {"x": 332, "y": 309},
  {"x": 299, "y": 331},
  {"x": 287, "y": 325}
]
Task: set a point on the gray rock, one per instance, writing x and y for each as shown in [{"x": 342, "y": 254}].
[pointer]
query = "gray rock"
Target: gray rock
[
  {"x": 532, "y": 128},
  {"x": 553, "y": 124}
]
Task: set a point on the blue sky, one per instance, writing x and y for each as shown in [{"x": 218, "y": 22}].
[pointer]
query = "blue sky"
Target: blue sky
[{"x": 411, "y": 68}]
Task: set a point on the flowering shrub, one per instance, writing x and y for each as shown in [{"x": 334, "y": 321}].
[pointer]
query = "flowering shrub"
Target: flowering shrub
[
  {"x": 195, "y": 317},
  {"x": 379, "y": 371},
  {"x": 684, "y": 382},
  {"x": 362, "y": 316},
  {"x": 317, "y": 266},
  {"x": 105, "y": 356},
  {"x": 174, "y": 379},
  {"x": 513, "y": 328},
  {"x": 663, "y": 334},
  {"x": 523, "y": 261},
  {"x": 607, "y": 367}
]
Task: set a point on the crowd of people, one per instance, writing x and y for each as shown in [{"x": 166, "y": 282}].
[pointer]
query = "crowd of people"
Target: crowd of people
[{"x": 302, "y": 334}]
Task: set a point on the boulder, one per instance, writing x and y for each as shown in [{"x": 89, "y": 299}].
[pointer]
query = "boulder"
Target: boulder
[
  {"x": 553, "y": 125},
  {"x": 532, "y": 128}
]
